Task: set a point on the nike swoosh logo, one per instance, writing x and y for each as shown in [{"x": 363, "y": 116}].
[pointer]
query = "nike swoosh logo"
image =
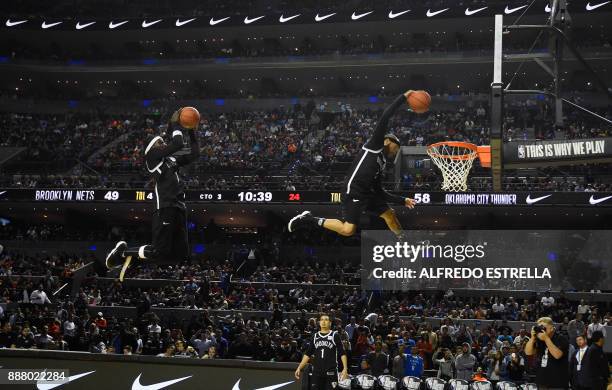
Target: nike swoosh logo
[
  {"x": 80, "y": 26},
  {"x": 320, "y": 18},
  {"x": 146, "y": 24},
  {"x": 529, "y": 200},
  {"x": 156, "y": 386},
  {"x": 282, "y": 19},
  {"x": 3, "y": 192},
  {"x": 249, "y": 21},
  {"x": 11, "y": 24},
  {"x": 356, "y": 17},
  {"x": 45, "y": 25},
  {"x": 547, "y": 9},
  {"x": 508, "y": 11},
  {"x": 41, "y": 386},
  {"x": 472, "y": 12},
  {"x": 431, "y": 14},
  {"x": 165, "y": 223},
  {"x": 213, "y": 21},
  {"x": 179, "y": 23},
  {"x": 355, "y": 200},
  {"x": 273, "y": 387},
  {"x": 592, "y": 200},
  {"x": 115, "y": 25},
  {"x": 590, "y": 7},
  {"x": 393, "y": 16}
]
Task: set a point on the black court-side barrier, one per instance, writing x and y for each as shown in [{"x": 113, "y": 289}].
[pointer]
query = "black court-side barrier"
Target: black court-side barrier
[{"x": 117, "y": 372}]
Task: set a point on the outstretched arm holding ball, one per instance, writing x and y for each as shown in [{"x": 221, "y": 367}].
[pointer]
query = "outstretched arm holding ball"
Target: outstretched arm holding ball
[
  {"x": 189, "y": 118},
  {"x": 376, "y": 141}
]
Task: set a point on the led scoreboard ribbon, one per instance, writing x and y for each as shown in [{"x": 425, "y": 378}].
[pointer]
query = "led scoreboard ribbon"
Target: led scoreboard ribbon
[
  {"x": 483, "y": 199},
  {"x": 91, "y": 195}
]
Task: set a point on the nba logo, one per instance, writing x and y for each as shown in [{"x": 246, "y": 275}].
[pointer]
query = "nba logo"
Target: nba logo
[{"x": 521, "y": 151}]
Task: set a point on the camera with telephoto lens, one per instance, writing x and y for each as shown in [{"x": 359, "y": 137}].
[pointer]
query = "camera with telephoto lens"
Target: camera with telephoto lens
[{"x": 539, "y": 328}]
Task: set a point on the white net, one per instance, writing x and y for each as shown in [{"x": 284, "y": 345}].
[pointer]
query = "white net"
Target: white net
[{"x": 455, "y": 162}]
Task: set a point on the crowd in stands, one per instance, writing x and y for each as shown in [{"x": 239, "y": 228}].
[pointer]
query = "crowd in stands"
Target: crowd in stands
[
  {"x": 56, "y": 265},
  {"x": 34, "y": 232},
  {"x": 425, "y": 180},
  {"x": 269, "y": 140},
  {"x": 380, "y": 331},
  {"x": 377, "y": 338},
  {"x": 300, "y": 272},
  {"x": 238, "y": 140},
  {"x": 302, "y": 147},
  {"x": 36, "y": 180},
  {"x": 56, "y": 137},
  {"x": 266, "y": 243},
  {"x": 53, "y": 232}
]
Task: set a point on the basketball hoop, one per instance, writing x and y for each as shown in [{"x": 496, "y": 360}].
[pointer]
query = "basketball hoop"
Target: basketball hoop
[{"x": 455, "y": 160}]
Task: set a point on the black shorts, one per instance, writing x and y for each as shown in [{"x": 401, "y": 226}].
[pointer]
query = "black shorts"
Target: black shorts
[
  {"x": 170, "y": 235},
  {"x": 324, "y": 381},
  {"x": 352, "y": 207}
]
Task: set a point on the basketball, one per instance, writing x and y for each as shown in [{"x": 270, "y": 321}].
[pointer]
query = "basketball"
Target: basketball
[
  {"x": 419, "y": 101},
  {"x": 189, "y": 118}
]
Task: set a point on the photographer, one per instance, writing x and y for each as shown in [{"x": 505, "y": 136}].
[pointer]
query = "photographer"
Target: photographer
[{"x": 551, "y": 350}]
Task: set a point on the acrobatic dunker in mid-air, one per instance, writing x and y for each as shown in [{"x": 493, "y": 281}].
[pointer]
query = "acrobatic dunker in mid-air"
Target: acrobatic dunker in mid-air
[
  {"x": 363, "y": 189},
  {"x": 170, "y": 243}
]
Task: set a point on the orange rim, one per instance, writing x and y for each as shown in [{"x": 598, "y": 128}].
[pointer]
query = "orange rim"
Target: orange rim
[{"x": 467, "y": 156}]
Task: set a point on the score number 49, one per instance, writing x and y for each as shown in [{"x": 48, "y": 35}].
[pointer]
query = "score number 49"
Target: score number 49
[{"x": 111, "y": 195}]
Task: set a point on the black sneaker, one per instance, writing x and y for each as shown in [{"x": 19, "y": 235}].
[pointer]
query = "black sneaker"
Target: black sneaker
[
  {"x": 115, "y": 257},
  {"x": 300, "y": 221}
]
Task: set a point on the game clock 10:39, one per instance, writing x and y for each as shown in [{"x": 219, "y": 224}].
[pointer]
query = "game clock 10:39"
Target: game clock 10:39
[{"x": 260, "y": 196}]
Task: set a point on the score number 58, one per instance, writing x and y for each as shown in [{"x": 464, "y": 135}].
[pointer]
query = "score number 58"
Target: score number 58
[{"x": 422, "y": 198}]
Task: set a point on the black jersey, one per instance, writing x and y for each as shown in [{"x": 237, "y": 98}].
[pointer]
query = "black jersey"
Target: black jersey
[
  {"x": 324, "y": 350},
  {"x": 368, "y": 168},
  {"x": 160, "y": 162}
]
